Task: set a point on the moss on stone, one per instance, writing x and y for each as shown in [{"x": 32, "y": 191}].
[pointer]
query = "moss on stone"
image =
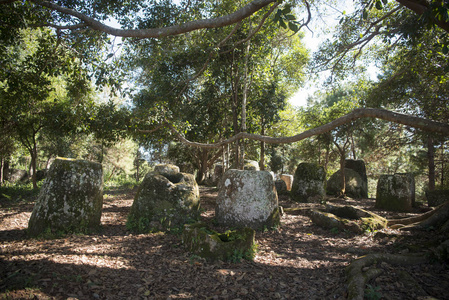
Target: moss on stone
[
  {"x": 348, "y": 218},
  {"x": 211, "y": 245},
  {"x": 70, "y": 199},
  {"x": 308, "y": 183},
  {"x": 246, "y": 199},
  {"x": 164, "y": 201},
  {"x": 395, "y": 192}
]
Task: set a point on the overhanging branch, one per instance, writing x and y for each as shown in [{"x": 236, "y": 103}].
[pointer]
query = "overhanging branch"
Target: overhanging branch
[
  {"x": 222, "y": 21},
  {"x": 408, "y": 120}
]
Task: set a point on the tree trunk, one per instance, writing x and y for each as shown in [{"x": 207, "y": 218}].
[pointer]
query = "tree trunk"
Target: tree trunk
[
  {"x": 137, "y": 163},
  {"x": 262, "y": 150},
  {"x": 235, "y": 123},
  {"x": 244, "y": 100},
  {"x": 431, "y": 163},
  {"x": 2, "y": 164},
  {"x": 353, "y": 147},
  {"x": 33, "y": 154},
  {"x": 326, "y": 160},
  {"x": 442, "y": 164},
  {"x": 342, "y": 172},
  {"x": 223, "y": 160},
  {"x": 200, "y": 176}
]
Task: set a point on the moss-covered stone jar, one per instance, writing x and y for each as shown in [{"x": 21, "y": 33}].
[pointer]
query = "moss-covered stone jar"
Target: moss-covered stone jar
[
  {"x": 164, "y": 201},
  {"x": 70, "y": 199},
  {"x": 395, "y": 192},
  {"x": 308, "y": 183},
  {"x": 247, "y": 199},
  {"x": 211, "y": 245}
]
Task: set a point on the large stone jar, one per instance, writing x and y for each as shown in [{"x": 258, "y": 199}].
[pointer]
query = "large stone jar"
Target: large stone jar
[
  {"x": 355, "y": 186},
  {"x": 70, "y": 200},
  {"x": 395, "y": 192},
  {"x": 247, "y": 199},
  {"x": 308, "y": 183},
  {"x": 165, "y": 200}
]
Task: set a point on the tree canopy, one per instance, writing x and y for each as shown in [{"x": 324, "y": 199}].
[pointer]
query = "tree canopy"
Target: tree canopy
[{"x": 212, "y": 73}]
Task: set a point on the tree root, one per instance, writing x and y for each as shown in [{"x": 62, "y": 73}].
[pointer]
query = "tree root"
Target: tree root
[
  {"x": 357, "y": 277},
  {"x": 435, "y": 218}
]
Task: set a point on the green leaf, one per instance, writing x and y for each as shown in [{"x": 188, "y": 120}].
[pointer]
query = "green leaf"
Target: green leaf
[
  {"x": 282, "y": 23},
  {"x": 379, "y": 5},
  {"x": 365, "y": 14},
  {"x": 445, "y": 49},
  {"x": 385, "y": 2},
  {"x": 293, "y": 27},
  {"x": 287, "y": 9},
  {"x": 290, "y": 17}
]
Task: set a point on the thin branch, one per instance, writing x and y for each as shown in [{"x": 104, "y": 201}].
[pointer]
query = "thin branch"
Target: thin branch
[
  {"x": 221, "y": 44},
  {"x": 262, "y": 21}
]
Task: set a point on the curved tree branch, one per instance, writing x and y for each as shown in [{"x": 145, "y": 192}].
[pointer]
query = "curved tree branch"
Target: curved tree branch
[
  {"x": 420, "y": 7},
  {"x": 222, "y": 21},
  {"x": 408, "y": 120}
]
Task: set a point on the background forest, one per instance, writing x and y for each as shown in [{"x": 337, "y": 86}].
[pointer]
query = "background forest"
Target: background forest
[{"x": 69, "y": 89}]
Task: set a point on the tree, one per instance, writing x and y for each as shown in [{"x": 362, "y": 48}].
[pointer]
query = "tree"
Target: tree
[
  {"x": 416, "y": 82},
  {"x": 212, "y": 106},
  {"x": 32, "y": 97},
  {"x": 86, "y": 14}
]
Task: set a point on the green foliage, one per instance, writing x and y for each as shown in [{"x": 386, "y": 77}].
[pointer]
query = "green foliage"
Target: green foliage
[
  {"x": 372, "y": 293},
  {"x": 286, "y": 19},
  {"x": 335, "y": 230},
  {"x": 276, "y": 161},
  {"x": 141, "y": 225},
  {"x": 19, "y": 192},
  {"x": 191, "y": 80}
]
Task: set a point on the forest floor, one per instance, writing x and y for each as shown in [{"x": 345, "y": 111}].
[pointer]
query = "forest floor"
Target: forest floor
[{"x": 297, "y": 261}]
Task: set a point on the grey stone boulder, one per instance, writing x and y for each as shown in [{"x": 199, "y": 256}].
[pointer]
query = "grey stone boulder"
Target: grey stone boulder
[
  {"x": 281, "y": 187},
  {"x": 16, "y": 175},
  {"x": 395, "y": 192},
  {"x": 70, "y": 199},
  {"x": 166, "y": 169},
  {"x": 308, "y": 183},
  {"x": 356, "y": 187},
  {"x": 247, "y": 199},
  {"x": 357, "y": 165},
  {"x": 164, "y": 201},
  {"x": 437, "y": 197},
  {"x": 218, "y": 173}
]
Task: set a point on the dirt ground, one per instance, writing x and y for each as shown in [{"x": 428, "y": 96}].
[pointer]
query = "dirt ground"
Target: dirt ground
[{"x": 297, "y": 261}]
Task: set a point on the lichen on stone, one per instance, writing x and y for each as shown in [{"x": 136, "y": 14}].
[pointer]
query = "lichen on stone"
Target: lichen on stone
[
  {"x": 247, "y": 199},
  {"x": 164, "y": 201},
  {"x": 348, "y": 218},
  {"x": 308, "y": 183},
  {"x": 395, "y": 192},
  {"x": 70, "y": 199}
]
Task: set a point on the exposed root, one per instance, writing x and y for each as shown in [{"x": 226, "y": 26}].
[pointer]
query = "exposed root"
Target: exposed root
[
  {"x": 358, "y": 275},
  {"x": 435, "y": 218}
]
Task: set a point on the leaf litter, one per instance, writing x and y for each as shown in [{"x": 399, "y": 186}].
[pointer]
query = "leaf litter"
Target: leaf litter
[{"x": 298, "y": 260}]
